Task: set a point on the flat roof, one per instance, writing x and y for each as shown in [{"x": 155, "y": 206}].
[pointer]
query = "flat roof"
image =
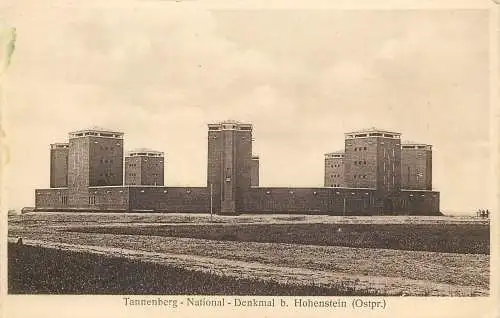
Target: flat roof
[
  {"x": 413, "y": 143},
  {"x": 59, "y": 145},
  {"x": 96, "y": 132},
  {"x": 372, "y": 132},
  {"x": 144, "y": 152},
  {"x": 373, "y": 129},
  {"x": 338, "y": 152},
  {"x": 96, "y": 129},
  {"x": 230, "y": 124}
]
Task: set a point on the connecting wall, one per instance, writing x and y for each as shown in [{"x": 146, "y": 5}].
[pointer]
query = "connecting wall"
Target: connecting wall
[{"x": 365, "y": 179}]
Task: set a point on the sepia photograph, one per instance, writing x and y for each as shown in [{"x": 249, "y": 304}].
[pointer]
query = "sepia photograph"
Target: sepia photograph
[{"x": 231, "y": 155}]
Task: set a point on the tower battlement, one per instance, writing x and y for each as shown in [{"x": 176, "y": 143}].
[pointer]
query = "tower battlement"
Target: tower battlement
[
  {"x": 372, "y": 132},
  {"x": 96, "y": 132}
]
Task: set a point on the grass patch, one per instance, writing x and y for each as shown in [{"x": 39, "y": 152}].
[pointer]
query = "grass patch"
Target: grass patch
[
  {"x": 37, "y": 270},
  {"x": 449, "y": 238}
]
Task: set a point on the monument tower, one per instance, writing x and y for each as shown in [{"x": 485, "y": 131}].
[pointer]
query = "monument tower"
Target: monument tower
[{"x": 229, "y": 164}]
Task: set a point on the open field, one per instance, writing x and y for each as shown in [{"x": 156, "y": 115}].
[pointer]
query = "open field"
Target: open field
[
  {"x": 328, "y": 281},
  {"x": 449, "y": 238},
  {"x": 335, "y": 268},
  {"x": 65, "y": 218},
  {"x": 38, "y": 270}
]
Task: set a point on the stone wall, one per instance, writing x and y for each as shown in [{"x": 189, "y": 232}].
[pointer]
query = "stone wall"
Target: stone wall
[
  {"x": 59, "y": 167},
  {"x": 109, "y": 198},
  {"x": 105, "y": 161},
  {"x": 333, "y": 201},
  {"x": 423, "y": 202},
  {"x": 416, "y": 169},
  {"x": 334, "y": 172},
  {"x": 170, "y": 199},
  {"x": 51, "y": 199},
  {"x": 327, "y": 201}
]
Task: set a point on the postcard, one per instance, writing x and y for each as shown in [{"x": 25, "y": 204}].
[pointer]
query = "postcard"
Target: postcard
[{"x": 268, "y": 158}]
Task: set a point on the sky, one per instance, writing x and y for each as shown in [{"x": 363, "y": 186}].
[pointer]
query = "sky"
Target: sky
[{"x": 302, "y": 77}]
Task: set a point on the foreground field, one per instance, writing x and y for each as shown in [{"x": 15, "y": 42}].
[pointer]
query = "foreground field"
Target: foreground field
[
  {"x": 42, "y": 270},
  {"x": 344, "y": 283},
  {"x": 371, "y": 270}
]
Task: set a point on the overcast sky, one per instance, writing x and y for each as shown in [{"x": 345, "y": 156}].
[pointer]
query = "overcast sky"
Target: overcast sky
[{"x": 303, "y": 78}]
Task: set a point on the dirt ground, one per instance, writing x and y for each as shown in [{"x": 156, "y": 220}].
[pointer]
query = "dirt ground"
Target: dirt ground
[{"x": 388, "y": 271}]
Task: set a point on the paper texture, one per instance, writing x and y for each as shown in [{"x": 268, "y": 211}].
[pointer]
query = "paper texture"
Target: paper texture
[{"x": 303, "y": 74}]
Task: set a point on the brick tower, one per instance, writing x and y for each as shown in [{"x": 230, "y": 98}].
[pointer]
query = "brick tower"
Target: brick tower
[
  {"x": 334, "y": 169},
  {"x": 373, "y": 160},
  {"x": 59, "y": 165},
  {"x": 95, "y": 159},
  {"x": 416, "y": 166},
  {"x": 229, "y": 164},
  {"x": 144, "y": 167},
  {"x": 255, "y": 171}
]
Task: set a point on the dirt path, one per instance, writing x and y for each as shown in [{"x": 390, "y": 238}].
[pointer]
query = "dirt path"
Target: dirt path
[
  {"x": 259, "y": 271},
  {"x": 389, "y": 270}
]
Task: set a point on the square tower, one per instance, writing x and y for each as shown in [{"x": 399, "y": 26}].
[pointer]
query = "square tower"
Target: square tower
[
  {"x": 229, "y": 164},
  {"x": 255, "y": 171},
  {"x": 373, "y": 160},
  {"x": 59, "y": 165},
  {"x": 144, "y": 167},
  {"x": 95, "y": 159},
  {"x": 334, "y": 169},
  {"x": 416, "y": 166}
]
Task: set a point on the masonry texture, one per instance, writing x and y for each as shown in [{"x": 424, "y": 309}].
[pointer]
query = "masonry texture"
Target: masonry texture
[
  {"x": 367, "y": 178},
  {"x": 255, "y": 171},
  {"x": 341, "y": 201},
  {"x": 373, "y": 159},
  {"x": 334, "y": 169},
  {"x": 416, "y": 170},
  {"x": 229, "y": 164},
  {"x": 144, "y": 167},
  {"x": 59, "y": 165}
]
